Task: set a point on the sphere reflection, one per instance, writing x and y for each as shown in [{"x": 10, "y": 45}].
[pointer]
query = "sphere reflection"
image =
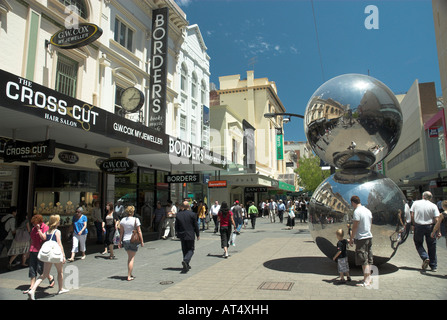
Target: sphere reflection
[
  {"x": 330, "y": 209},
  {"x": 353, "y": 121}
]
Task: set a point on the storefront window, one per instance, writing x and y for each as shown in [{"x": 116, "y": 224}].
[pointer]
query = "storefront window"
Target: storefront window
[
  {"x": 162, "y": 188},
  {"x": 126, "y": 188},
  {"x": 61, "y": 191}
]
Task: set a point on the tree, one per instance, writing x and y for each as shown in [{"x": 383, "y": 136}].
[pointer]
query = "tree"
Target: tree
[{"x": 310, "y": 173}]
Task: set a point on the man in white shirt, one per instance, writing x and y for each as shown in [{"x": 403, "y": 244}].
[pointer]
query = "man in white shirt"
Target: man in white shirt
[
  {"x": 361, "y": 233},
  {"x": 214, "y": 210},
  {"x": 424, "y": 215}
]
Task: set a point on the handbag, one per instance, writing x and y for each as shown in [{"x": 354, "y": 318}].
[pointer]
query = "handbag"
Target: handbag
[
  {"x": 135, "y": 238},
  {"x": 116, "y": 237},
  {"x": 50, "y": 251}
]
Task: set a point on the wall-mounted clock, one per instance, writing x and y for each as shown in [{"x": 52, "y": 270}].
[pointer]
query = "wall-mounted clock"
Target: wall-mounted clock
[{"x": 132, "y": 99}]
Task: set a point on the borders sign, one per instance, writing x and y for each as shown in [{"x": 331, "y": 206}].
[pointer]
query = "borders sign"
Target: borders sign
[{"x": 158, "y": 70}]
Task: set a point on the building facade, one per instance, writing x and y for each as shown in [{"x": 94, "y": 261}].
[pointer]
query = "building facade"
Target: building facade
[
  {"x": 64, "y": 67},
  {"x": 418, "y": 162},
  {"x": 253, "y": 143}
]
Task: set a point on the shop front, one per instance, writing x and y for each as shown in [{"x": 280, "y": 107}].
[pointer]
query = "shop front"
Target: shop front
[{"x": 60, "y": 143}]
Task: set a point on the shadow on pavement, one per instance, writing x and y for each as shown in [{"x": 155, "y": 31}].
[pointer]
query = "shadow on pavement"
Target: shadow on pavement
[{"x": 317, "y": 265}]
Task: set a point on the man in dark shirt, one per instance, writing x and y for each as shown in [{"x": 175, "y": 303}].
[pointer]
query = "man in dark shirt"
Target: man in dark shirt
[{"x": 187, "y": 229}]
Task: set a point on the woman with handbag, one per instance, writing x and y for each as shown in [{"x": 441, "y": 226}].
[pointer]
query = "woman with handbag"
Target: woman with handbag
[
  {"x": 109, "y": 225},
  {"x": 38, "y": 236},
  {"x": 54, "y": 256},
  {"x": 130, "y": 238}
]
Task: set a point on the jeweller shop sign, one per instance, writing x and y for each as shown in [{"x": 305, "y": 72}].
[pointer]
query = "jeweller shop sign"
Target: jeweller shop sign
[{"x": 76, "y": 37}]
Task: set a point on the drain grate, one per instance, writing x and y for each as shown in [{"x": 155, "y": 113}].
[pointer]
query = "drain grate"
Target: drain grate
[{"x": 282, "y": 286}]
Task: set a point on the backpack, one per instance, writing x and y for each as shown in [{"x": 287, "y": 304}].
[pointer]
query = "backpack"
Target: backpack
[{"x": 3, "y": 232}]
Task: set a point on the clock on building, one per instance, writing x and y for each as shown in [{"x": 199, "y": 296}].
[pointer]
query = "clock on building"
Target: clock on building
[{"x": 132, "y": 99}]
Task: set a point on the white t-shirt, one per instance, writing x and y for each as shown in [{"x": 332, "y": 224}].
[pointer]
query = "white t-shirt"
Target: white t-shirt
[
  {"x": 364, "y": 216},
  {"x": 128, "y": 223},
  {"x": 215, "y": 209},
  {"x": 424, "y": 212}
]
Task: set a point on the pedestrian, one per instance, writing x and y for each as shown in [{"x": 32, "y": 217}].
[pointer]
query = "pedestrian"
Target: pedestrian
[
  {"x": 53, "y": 234},
  {"x": 244, "y": 215},
  {"x": 127, "y": 225},
  {"x": 281, "y": 209},
  {"x": 38, "y": 236},
  {"x": 425, "y": 215},
  {"x": 171, "y": 212},
  {"x": 97, "y": 221},
  {"x": 303, "y": 213},
  {"x": 21, "y": 243},
  {"x": 361, "y": 233},
  {"x": 119, "y": 209},
  {"x": 341, "y": 256},
  {"x": 291, "y": 218},
  {"x": 265, "y": 212},
  {"x": 109, "y": 226},
  {"x": 225, "y": 218},
  {"x": 79, "y": 225},
  {"x": 436, "y": 233},
  {"x": 187, "y": 229},
  {"x": 201, "y": 214},
  {"x": 214, "y": 210},
  {"x": 9, "y": 225},
  {"x": 272, "y": 210},
  {"x": 237, "y": 216},
  {"x": 159, "y": 216},
  {"x": 253, "y": 213}
]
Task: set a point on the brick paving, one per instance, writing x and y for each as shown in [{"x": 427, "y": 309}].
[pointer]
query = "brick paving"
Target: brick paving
[{"x": 268, "y": 263}]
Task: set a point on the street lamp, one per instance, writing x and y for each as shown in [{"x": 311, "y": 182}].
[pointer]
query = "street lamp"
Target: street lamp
[{"x": 271, "y": 115}]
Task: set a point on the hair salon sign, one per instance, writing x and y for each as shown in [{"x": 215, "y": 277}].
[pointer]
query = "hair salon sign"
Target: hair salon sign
[{"x": 78, "y": 36}]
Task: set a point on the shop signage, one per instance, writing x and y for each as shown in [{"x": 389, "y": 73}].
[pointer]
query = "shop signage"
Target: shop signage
[
  {"x": 256, "y": 189},
  {"x": 217, "y": 184},
  {"x": 117, "y": 166},
  {"x": 182, "y": 152},
  {"x": 68, "y": 157},
  {"x": 182, "y": 178},
  {"x": 126, "y": 130},
  {"x": 22, "y": 95},
  {"x": 158, "y": 70},
  {"x": 29, "y": 151},
  {"x": 76, "y": 37},
  {"x": 433, "y": 132},
  {"x": 279, "y": 147}
]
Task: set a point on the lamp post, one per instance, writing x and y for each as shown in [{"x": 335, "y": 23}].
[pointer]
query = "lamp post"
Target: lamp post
[{"x": 284, "y": 114}]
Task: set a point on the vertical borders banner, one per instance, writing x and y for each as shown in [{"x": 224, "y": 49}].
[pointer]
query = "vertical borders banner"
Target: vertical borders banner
[{"x": 158, "y": 70}]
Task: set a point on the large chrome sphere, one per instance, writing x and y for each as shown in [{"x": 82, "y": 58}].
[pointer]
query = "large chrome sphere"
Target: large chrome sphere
[
  {"x": 330, "y": 209},
  {"x": 353, "y": 120}
]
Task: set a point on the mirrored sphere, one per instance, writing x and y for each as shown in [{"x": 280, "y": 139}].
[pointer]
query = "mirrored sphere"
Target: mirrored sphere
[
  {"x": 330, "y": 209},
  {"x": 353, "y": 121}
]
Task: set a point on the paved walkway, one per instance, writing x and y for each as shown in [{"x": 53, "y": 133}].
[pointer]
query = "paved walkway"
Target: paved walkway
[{"x": 268, "y": 263}]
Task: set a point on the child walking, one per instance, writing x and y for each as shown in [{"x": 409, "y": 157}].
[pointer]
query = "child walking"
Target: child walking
[{"x": 341, "y": 256}]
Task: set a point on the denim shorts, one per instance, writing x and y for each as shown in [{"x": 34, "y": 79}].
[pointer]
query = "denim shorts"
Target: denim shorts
[
  {"x": 130, "y": 246},
  {"x": 35, "y": 265}
]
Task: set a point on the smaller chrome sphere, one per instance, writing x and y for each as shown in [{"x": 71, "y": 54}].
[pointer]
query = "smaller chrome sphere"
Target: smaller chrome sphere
[{"x": 353, "y": 121}]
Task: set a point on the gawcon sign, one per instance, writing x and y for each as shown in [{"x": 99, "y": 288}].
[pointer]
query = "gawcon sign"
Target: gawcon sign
[
  {"x": 76, "y": 37},
  {"x": 117, "y": 165}
]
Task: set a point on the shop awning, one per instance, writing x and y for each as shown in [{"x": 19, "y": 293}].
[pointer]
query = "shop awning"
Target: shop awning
[
  {"x": 285, "y": 186},
  {"x": 32, "y": 112}
]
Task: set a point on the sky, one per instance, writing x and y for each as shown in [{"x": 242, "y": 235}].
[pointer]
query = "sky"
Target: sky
[{"x": 301, "y": 44}]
